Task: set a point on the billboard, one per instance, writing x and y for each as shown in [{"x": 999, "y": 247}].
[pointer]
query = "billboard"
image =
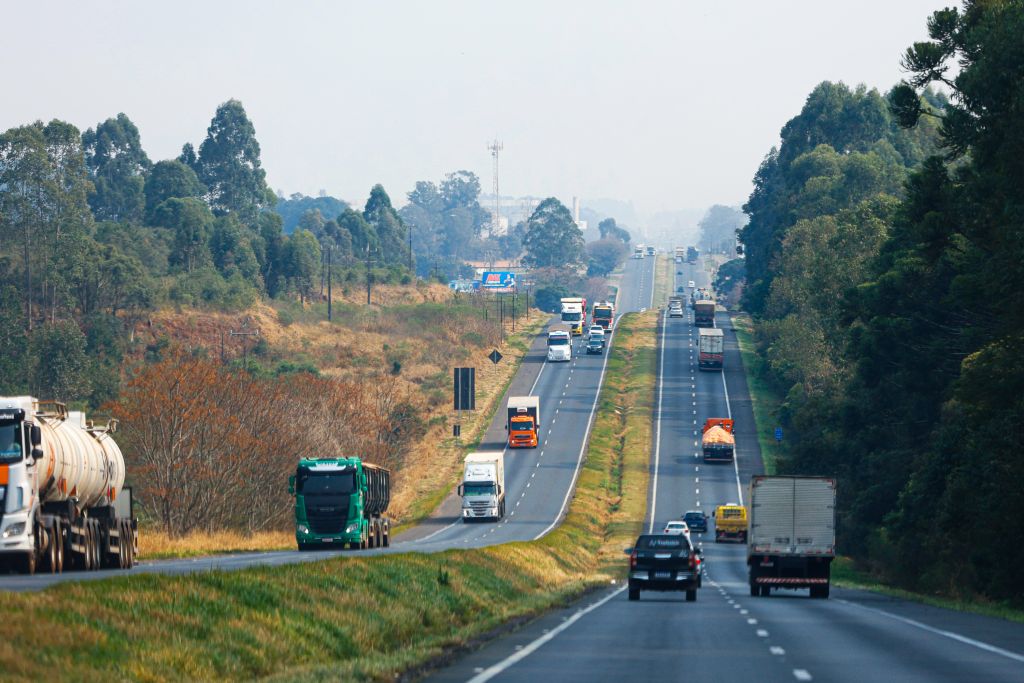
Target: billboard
[{"x": 498, "y": 281}]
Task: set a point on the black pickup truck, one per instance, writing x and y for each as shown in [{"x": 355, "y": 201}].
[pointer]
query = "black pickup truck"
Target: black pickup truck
[{"x": 662, "y": 562}]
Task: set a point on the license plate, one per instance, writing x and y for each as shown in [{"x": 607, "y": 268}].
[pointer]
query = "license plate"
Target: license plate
[
  {"x": 328, "y": 540},
  {"x": 663, "y": 556},
  {"x": 663, "y": 575}
]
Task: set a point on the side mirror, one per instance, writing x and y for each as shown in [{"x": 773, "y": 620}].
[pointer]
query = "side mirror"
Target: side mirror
[
  {"x": 37, "y": 435},
  {"x": 628, "y": 551},
  {"x": 291, "y": 485},
  {"x": 714, "y": 512},
  {"x": 459, "y": 490}
]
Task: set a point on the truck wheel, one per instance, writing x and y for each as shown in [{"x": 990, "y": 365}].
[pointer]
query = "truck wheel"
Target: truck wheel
[
  {"x": 766, "y": 591},
  {"x": 124, "y": 534},
  {"x": 634, "y": 593},
  {"x": 691, "y": 595},
  {"x": 95, "y": 544},
  {"x": 387, "y": 540},
  {"x": 820, "y": 592},
  {"x": 28, "y": 563},
  {"x": 755, "y": 590}
]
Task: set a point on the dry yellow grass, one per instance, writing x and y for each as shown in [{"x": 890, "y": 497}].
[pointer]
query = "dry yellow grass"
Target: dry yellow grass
[{"x": 155, "y": 544}]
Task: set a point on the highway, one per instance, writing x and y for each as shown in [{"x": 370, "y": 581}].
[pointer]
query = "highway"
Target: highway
[
  {"x": 727, "y": 635},
  {"x": 538, "y": 481}
]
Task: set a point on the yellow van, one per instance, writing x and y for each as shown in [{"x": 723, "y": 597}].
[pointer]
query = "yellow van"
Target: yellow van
[{"x": 730, "y": 523}]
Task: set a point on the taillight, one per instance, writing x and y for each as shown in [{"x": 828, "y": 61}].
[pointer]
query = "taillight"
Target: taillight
[
  {"x": 632, "y": 560},
  {"x": 694, "y": 561}
]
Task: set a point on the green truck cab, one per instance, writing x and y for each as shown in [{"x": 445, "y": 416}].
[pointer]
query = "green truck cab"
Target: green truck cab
[{"x": 340, "y": 501}]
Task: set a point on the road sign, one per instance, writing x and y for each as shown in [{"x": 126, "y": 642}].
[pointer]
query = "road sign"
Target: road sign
[
  {"x": 498, "y": 281},
  {"x": 778, "y": 434},
  {"x": 495, "y": 356},
  {"x": 465, "y": 389}
]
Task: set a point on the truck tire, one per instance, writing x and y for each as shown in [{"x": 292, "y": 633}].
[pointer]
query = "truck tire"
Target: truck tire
[
  {"x": 387, "y": 539},
  {"x": 755, "y": 590},
  {"x": 58, "y": 539},
  {"x": 820, "y": 592},
  {"x": 691, "y": 595},
  {"x": 766, "y": 591},
  {"x": 28, "y": 563},
  {"x": 634, "y": 593}
]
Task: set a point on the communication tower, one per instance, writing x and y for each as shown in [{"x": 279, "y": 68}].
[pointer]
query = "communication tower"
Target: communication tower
[{"x": 496, "y": 147}]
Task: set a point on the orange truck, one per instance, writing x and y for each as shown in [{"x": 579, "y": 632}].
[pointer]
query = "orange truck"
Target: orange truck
[
  {"x": 718, "y": 442},
  {"x": 523, "y": 423}
]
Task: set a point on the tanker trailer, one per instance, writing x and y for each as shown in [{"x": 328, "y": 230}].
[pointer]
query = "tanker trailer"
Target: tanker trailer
[{"x": 63, "y": 503}]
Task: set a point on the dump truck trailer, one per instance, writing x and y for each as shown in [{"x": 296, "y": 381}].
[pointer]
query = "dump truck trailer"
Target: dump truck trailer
[
  {"x": 341, "y": 501},
  {"x": 63, "y": 503},
  {"x": 792, "y": 538},
  {"x": 718, "y": 441}
]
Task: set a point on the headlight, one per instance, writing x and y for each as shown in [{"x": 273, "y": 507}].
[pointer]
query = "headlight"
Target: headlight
[
  {"x": 16, "y": 529},
  {"x": 302, "y": 529},
  {"x": 352, "y": 528},
  {"x": 493, "y": 511}
]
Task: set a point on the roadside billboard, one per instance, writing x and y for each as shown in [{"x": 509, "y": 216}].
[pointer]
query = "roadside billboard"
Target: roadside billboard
[{"x": 498, "y": 281}]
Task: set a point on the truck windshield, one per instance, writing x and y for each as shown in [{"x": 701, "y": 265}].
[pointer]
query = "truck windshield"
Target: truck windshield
[
  {"x": 479, "y": 489},
  {"x": 10, "y": 442},
  {"x": 522, "y": 422},
  {"x": 571, "y": 317},
  {"x": 326, "y": 483},
  {"x": 557, "y": 341}
]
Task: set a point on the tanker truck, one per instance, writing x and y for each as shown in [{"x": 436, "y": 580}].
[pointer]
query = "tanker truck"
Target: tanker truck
[{"x": 63, "y": 503}]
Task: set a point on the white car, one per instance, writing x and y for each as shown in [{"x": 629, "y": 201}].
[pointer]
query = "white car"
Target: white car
[
  {"x": 691, "y": 284},
  {"x": 677, "y": 527},
  {"x": 595, "y": 329},
  {"x": 675, "y": 311}
]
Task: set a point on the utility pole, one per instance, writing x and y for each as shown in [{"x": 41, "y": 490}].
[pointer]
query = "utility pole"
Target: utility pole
[
  {"x": 330, "y": 248},
  {"x": 369, "y": 275}
]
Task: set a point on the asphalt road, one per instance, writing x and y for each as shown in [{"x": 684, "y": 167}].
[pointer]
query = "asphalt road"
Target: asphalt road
[
  {"x": 538, "y": 481},
  {"x": 726, "y": 635}
]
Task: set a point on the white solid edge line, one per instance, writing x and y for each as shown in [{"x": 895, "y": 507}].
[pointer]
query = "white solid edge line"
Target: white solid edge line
[
  {"x": 937, "y": 631},
  {"x": 492, "y": 671},
  {"x": 736, "y": 446},
  {"x": 657, "y": 426}
]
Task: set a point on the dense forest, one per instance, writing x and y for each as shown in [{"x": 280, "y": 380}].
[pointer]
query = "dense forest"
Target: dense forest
[{"x": 884, "y": 265}]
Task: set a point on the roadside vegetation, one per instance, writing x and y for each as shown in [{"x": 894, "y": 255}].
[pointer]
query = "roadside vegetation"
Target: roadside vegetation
[
  {"x": 765, "y": 398},
  {"x": 885, "y": 280},
  {"x": 354, "y": 618}
]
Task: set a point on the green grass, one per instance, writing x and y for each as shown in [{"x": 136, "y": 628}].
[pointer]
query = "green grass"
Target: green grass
[
  {"x": 845, "y": 574},
  {"x": 764, "y": 398},
  {"x": 355, "y": 617}
]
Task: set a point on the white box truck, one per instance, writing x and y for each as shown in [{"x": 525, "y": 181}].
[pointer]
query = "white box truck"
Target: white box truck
[
  {"x": 791, "y": 540},
  {"x": 483, "y": 486}
]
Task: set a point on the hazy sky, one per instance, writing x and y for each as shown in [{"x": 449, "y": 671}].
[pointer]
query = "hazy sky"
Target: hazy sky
[{"x": 667, "y": 104}]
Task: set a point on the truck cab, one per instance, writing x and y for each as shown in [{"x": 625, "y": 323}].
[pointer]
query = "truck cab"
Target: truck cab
[
  {"x": 559, "y": 346},
  {"x": 730, "y": 523},
  {"x": 523, "y": 421},
  {"x": 604, "y": 315},
  {"x": 483, "y": 486},
  {"x": 340, "y": 501},
  {"x": 574, "y": 314}
]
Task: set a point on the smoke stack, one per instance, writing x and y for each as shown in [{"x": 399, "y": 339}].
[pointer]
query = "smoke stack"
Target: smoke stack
[{"x": 576, "y": 209}]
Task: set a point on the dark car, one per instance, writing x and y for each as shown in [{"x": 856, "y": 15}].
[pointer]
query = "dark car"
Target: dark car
[
  {"x": 696, "y": 520},
  {"x": 663, "y": 562}
]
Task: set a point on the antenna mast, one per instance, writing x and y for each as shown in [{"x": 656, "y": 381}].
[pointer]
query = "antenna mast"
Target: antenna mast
[{"x": 496, "y": 147}]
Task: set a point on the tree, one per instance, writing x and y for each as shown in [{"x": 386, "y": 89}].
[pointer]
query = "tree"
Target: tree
[
  {"x": 229, "y": 165},
  {"x": 388, "y": 226},
  {"x": 610, "y": 230},
  {"x": 191, "y": 223},
  {"x": 362, "y": 233},
  {"x": 604, "y": 256},
  {"x": 552, "y": 237},
  {"x": 232, "y": 250},
  {"x": 718, "y": 229},
  {"x": 60, "y": 367},
  {"x": 302, "y": 263},
  {"x": 170, "y": 179},
  {"x": 117, "y": 166}
]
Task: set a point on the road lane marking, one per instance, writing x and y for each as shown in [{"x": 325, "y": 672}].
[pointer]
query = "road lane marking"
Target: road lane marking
[
  {"x": 801, "y": 675},
  {"x": 776, "y": 650},
  {"x": 939, "y": 632},
  {"x": 762, "y": 633},
  {"x": 736, "y": 448},
  {"x": 751, "y": 621},
  {"x": 657, "y": 437}
]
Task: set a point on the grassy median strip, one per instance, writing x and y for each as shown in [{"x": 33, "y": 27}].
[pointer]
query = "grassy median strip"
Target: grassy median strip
[
  {"x": 765, "y": 398},
  {"x": 352, "y": 618}
]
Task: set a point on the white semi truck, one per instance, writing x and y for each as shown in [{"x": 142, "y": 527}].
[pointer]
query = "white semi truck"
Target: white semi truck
[
  {"x": 483, "y": 486},
  {"x": 63, "y": 503}
]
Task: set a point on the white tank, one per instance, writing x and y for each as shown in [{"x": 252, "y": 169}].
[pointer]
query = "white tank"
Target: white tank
[{"x": 79, "y": 461}]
